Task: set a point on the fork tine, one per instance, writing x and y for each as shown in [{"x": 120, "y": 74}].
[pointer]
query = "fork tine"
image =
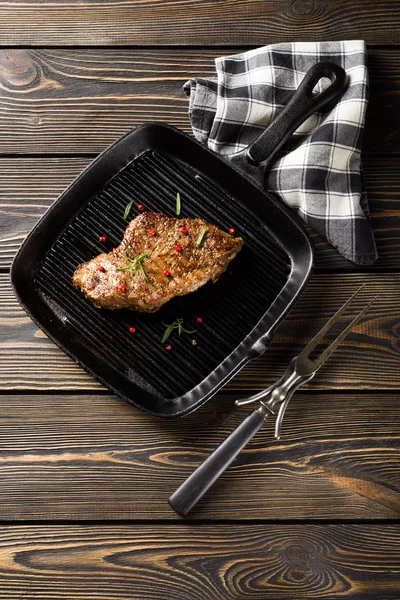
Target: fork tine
[
  {"x": 321, "y": 334},
  {"x": 330, "y": 349}
]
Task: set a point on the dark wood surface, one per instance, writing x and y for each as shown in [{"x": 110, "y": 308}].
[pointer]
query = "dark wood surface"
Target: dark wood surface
[
  {"x": 84, "y": 457},
  {"x": 262, "y": 562},
  {"x": 196, "y": 22},
  {"x": 85, "y": 477},
  {"x": 78, "y": 101}
]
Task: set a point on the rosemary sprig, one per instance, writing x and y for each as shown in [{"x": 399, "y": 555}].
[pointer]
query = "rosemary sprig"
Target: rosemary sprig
[
  {"x": 143, "y": 272},
  {"x": 177, "y": 324},
  {"x": 135, "y": 261},
  {"x": 178, "y": 204},
  {"x": 201, "y": 236},
  {"x": 167, "y": 332},
  {"x": 129, "y": 254},
  {"x": 128, "y": 209}
]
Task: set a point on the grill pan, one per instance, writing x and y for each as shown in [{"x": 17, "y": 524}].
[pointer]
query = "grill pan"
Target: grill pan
[{"x": 240, "y": 312}]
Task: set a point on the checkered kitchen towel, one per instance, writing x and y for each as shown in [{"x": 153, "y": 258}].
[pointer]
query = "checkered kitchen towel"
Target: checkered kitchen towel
[{"x": 318, "y": 172}]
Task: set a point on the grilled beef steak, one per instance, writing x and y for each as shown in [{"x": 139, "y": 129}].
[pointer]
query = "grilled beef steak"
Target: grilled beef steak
[{"x": 159, "y": 258}]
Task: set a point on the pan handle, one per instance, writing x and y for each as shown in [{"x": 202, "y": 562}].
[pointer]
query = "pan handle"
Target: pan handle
[
  {"x": 301, "y": 106},
  {"x": 191, "y": 490}
]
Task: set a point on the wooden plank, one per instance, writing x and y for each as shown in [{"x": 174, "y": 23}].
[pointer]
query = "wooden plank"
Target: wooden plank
[
  {"x": 219, "y": 562},
  {"x": 94, "y": 457},
  {"x": 39, "y": 22},
  {"x": 29, "y": 185},
  {"x": 368, "y": 359},
  {"x": 79, "y": 101}
]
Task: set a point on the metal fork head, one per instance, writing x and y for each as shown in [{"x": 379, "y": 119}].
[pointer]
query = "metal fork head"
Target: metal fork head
[
  {"x": 304, "y": 365},
  {"x": 301, "y": 369}
]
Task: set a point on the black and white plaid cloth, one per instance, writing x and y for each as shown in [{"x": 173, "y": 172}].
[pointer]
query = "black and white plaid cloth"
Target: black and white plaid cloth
[{"x": 318, "y": 173}]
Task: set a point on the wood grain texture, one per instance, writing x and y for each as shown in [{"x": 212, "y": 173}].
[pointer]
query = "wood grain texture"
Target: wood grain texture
[
  {"x": 29, "y": 185},
  {"x": 95, "y": 457},
  {"x": 196, "y": 22},
  {"x": 80, "y": 101},
  {"x": 368, "y": 359},
  {"x": 220, "y": 562}
]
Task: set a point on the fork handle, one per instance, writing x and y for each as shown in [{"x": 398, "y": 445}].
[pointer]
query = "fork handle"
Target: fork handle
[{"x": 191, "y": 490}]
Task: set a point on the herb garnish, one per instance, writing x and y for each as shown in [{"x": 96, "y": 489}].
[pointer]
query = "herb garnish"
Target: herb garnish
[
  {"x": 135, "y": 261},
  {"x": 128, "y": 209},
  {"x": 178, "y": 204},
  {"x": 201, "y": 236},
  {"x": 177, "y": 324}
]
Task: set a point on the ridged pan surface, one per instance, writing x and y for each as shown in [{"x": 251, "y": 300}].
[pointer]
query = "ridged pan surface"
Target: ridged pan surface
[{"x": 239, "y": 312}]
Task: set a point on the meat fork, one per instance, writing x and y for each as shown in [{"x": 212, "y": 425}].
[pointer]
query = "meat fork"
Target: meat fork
[{"x": 277, "y": 396}]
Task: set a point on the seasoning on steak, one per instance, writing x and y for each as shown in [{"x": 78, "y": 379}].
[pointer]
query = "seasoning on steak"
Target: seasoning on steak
[{"x": 174, "y": 264}]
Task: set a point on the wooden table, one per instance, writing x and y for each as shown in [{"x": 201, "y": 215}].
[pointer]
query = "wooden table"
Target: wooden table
[{"x": 84, "y": 477}]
